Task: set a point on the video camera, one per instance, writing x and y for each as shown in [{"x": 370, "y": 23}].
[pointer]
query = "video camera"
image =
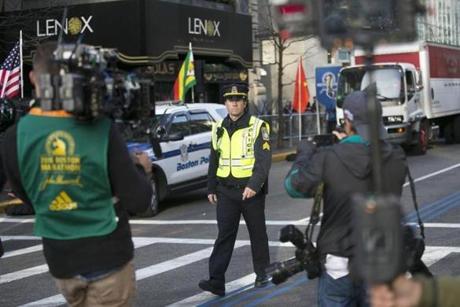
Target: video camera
[
  {"x": 88, "y": 83},
  {"x": 306, "y": 257}
]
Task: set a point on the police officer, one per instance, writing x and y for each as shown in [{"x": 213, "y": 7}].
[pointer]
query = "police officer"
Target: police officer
[{"x": 237, "y": 183}]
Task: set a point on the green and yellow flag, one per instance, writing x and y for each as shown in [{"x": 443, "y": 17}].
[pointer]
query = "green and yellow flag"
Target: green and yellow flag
[{"x": 186, "y": 78}]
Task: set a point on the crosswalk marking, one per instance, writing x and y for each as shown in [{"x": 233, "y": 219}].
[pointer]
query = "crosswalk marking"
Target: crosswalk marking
[
  {"x": 9, "y": 277},
  {"x": 23, "y": 251},
  {"x": 143, "y": 273},
  {"x": 232, "y": 288},
  {"x": 301, "y": 222},
  {"x": 432, "y": 255}
]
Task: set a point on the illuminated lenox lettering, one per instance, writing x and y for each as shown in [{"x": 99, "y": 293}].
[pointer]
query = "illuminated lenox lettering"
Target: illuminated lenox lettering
[
  {"x": 197, "y": 26},
  {"x": 73, "y": 25}
]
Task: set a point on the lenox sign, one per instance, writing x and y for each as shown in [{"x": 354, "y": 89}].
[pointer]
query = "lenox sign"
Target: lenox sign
[
  {"x": 72, "y": 26},
  {"x": 198, "y": 26}
]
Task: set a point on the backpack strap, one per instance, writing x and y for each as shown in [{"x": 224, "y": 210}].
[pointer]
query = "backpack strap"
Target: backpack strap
[
  {"x": 315, "y": 212},
  {"x": 414, "y": 200}
]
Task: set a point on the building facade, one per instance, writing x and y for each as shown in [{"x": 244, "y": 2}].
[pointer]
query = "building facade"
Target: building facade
[
  {"x": 150, "y": 35},
  {"x": 441, "y": 24}
]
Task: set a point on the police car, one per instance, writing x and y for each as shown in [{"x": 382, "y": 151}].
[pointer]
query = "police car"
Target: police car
[{"x": 180, "y": 148}]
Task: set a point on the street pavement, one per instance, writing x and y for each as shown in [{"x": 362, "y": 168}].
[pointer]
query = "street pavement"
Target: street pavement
[{"x": 173, "y": 248}]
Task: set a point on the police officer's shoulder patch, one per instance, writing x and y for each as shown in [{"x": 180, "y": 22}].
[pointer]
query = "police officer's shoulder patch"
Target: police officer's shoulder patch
[
  {"x": 264, "y": 131},
  {"x": 266, "y": 146}
]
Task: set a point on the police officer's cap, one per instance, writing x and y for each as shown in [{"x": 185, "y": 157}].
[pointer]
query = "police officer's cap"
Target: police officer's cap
[{"x": 236, "y": 90}]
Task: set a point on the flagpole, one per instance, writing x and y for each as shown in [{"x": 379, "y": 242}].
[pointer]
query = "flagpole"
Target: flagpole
[
  {"x": 193, "y": 87},
  {"x": 317, "y": 117},
  {"x": 20, "y": 59},
  {"x": 299, "y": 100}
]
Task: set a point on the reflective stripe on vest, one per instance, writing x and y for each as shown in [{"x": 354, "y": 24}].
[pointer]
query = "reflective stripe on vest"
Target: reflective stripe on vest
[{"x": 236, "y": 154}]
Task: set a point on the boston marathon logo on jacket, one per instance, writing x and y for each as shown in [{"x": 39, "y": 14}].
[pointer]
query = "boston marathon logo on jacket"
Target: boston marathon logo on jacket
[
  {"x": 63, "y": 167},
  {"x": 236, "y": 154}
]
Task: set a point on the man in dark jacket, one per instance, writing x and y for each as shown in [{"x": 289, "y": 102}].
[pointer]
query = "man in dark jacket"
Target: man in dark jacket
[
  {"x": 81, "y": 181},
  {"x": 345, "y": 169}
]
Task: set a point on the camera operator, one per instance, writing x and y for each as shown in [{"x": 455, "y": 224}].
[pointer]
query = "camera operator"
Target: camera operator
[
  {"x": 81, "y": 181},
  {"x": 345, "y": 170},
  {"x": 417, "y": 292}
]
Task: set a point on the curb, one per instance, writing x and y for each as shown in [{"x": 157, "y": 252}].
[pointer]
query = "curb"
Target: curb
[{"x": 277, "y": 157}]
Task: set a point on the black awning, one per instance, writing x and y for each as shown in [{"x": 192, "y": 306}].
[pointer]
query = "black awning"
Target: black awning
[{"x": 144, "y": 31}]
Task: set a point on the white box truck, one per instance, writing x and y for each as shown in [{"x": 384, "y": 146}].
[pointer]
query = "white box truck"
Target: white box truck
[{"x": 418, "y": 85}]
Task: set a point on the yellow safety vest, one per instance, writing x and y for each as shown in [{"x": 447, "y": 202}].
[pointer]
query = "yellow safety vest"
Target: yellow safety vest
[{"x": 236, "y": 154}]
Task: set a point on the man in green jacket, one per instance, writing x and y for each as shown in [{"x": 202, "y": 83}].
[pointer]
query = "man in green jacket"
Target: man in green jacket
[{"x": 417, "y": 292}]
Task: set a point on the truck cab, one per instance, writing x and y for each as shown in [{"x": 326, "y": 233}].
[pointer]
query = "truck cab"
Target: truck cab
[{"x": 399, "y": 91}]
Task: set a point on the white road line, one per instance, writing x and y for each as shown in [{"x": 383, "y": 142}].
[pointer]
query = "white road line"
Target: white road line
[
  {"x": 13, "y": 276},
  {"x": 234, "y": 287},
  {"x": 302, "y": 222},
  {"x": 9, "y": 277},
  {"x": 434, "y": 174},
  {"x": 433, "y": 254},
  {"x": 26, "y": 238},
  {"x": 143, "y": 273},
  {"x": 23, "y": 251},
  {"x": 441, "y": 225}
]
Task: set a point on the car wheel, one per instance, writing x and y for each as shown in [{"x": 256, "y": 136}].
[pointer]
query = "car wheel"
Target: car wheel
[{"x": 154, "y": 206}]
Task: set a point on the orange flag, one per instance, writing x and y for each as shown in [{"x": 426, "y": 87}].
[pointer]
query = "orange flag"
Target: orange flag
[{"x": 301, "y": 93}]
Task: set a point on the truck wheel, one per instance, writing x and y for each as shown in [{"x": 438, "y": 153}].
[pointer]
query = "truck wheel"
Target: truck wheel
[
  {"x": 422, "y": 139},
  {"x": 456, "y": 129},
  {"x": 154, "y": 206}
]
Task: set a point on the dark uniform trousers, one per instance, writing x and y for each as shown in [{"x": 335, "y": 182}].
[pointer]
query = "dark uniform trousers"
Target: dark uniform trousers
[{"x": 230, "y": 206}]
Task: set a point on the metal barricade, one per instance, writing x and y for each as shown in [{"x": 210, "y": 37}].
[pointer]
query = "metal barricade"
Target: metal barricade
[{"x": 309, "y": 125}]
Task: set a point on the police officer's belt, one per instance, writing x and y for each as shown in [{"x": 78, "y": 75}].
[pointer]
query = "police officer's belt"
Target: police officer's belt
[{"x": 232, "y": 185}]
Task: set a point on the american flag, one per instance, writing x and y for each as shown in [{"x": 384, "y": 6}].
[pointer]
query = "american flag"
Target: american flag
[{"x": 10, "y": 74}]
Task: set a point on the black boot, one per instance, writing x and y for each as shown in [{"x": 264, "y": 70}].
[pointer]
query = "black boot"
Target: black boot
[
  {"x": 1, "y": 248},
  {"x": 261, "y": 281},
  {"x": 212, "y": 286}
]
